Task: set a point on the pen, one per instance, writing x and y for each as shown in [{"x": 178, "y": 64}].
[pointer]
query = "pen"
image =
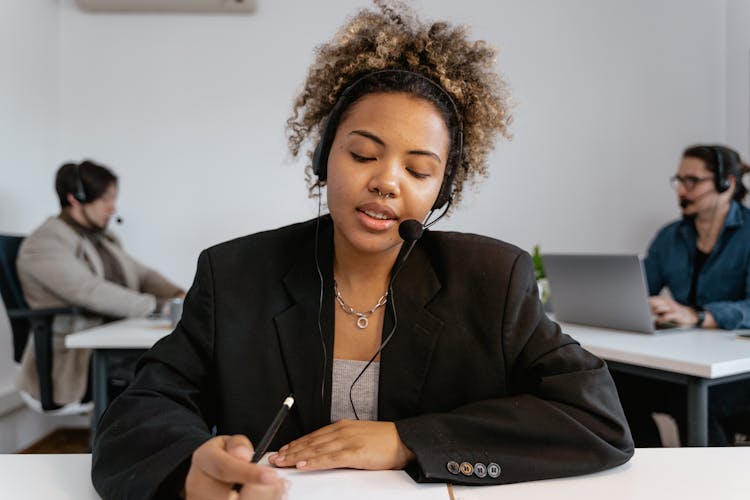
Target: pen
[{"x": 265, "y": 441}]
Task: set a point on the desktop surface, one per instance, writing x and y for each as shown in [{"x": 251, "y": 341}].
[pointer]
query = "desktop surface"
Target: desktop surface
[
  {"x": 131, "y": 333},
  {"x": 652, "y": 474},
  {"x": 699, "y": 352}
]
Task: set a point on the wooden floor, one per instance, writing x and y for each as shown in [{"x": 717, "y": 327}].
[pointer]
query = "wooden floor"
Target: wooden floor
[{"x": 64, "y": 440}]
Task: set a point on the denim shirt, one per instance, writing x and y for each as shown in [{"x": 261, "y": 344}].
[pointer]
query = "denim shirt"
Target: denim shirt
[{"x": 723, "y": 286}]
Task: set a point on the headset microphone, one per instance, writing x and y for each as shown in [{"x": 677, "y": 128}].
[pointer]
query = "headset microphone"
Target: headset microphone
[
  {"x": 685, "y": 202},
  {"x": 410, "y": 230}
]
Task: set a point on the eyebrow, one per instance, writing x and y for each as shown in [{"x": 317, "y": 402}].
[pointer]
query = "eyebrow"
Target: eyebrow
[{"x": 378, "y": 140}]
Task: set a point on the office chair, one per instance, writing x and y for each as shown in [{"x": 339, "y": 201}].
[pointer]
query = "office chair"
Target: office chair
[
  {"x": 38, "y": 322},
  {"x": 669, "y": 431}
]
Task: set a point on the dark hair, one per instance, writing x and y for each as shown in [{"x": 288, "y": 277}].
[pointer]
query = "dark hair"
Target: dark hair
[
  {"x": 94, "y": 179},
  {"x": 731, "y": 162}
]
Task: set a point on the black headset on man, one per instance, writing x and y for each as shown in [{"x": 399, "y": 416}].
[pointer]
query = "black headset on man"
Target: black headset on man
[
  {"x": 409, "y": 230},
  {"x": 721, "y": 180},
  {"x": 79, "y": 193}
]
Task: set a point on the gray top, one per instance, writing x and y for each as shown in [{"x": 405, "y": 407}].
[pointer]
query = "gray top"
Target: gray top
[{"x": 364, "y": 393}]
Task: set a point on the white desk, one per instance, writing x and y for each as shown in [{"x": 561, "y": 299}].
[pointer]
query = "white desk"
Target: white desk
[
  {"x": 696, "y": 358},
  {"x": 136, "y": 334},
  {"x": 46, "y": 477},
  {"x": 652, "y": 474}
]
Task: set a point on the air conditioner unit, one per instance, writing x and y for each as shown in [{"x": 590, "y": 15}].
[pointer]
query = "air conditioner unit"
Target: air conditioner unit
[{"x": 216, "y": 6}]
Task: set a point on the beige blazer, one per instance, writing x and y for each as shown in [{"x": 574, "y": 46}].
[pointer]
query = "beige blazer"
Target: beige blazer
[{"x": 58, "y": 267}]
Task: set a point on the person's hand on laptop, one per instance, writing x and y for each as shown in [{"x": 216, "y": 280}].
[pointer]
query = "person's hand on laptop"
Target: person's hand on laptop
[{"x": 668, "y": 311}]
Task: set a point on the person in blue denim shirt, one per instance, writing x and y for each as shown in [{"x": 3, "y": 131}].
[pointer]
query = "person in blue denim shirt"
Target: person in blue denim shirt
[
  {"x": 704, "y": 261},
  {"x": 704, "y": 258}
]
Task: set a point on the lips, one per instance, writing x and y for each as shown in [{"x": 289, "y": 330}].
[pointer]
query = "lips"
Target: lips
[
  {"x": 376, "y": 217},
  {"x": 377, "y": 211}
]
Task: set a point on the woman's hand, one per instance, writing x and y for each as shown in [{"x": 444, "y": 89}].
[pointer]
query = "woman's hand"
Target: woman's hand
[
  {"x": 223, "y": 461},
  {"x": 354, "y": 444}
]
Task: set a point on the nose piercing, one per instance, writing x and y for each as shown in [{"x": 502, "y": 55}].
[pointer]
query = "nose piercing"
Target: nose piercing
[{"x": 383, "y": 195}]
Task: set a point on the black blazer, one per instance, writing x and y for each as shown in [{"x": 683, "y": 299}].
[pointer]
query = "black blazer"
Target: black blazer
[{"x": 475, "y": 372}]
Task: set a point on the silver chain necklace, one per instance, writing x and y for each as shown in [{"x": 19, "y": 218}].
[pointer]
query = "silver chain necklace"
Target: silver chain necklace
[{"x": 362, "y": 317}]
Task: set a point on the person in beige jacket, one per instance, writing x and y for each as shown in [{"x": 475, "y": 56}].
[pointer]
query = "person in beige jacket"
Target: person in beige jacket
[{"x": 73, "y": 260}]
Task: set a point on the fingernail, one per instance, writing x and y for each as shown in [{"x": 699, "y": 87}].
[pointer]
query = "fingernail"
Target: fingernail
[
  {"x": 242, "y": 452},
  {"x": 272, "y": 457},
  {"x": 280, "y": 458},
  {"x": 268, "y": 477},
  {"x": 301, "y": 464},
  {"x": 284, "y": 447}
]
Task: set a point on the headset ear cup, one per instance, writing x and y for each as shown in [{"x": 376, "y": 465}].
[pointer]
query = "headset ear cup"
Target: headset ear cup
[
  {"x": 443, "y": 195},
  {"x": 722, "y": 179},
  {"x": 446, "y": 189},
  {"x": 318, "y": 166},
  {"x": 322, "y": 150},
  {"x": 80, "y": 193}
]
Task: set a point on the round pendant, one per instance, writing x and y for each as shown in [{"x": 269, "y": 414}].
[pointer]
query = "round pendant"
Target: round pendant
[{"x": 362, "y": 322}]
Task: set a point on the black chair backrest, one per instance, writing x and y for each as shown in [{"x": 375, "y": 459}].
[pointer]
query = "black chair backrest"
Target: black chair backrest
[{"x": 10, "y": 289}]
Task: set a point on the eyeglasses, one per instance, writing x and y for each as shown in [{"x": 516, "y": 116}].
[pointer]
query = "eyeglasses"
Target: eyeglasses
[{"x": 689, "y": 181}]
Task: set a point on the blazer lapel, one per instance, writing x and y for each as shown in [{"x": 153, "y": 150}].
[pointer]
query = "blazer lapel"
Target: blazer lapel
[
  {"x": 299, "y": 338},
  {"x": 405, "y": 360},
  {"x": 86, "y": 248}
]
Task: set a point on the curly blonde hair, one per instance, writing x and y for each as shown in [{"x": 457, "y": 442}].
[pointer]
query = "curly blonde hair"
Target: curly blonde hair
[{"x": 392, "y": 37}]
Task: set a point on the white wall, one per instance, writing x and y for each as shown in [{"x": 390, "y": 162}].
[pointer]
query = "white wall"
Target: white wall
[
  {"x": 29, "y": 124},
  {"x": 189, "y": 110},
  {"x": 29, "y": 117},
  {"x": 738, "y": 76}
]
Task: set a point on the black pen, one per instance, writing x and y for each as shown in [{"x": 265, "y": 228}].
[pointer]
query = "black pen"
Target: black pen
[{"x": 265, "y": 441}]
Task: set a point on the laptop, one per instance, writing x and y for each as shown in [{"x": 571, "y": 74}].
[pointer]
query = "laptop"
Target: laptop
[{"x": 608, "y": 291}]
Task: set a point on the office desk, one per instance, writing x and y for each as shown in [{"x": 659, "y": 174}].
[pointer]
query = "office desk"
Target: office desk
[
  {"x": 38, "y": 477},
  {"x": 136, "y": 334},
  {"x": 695, "y": 358},
  {"x": 652, "y": 474}
]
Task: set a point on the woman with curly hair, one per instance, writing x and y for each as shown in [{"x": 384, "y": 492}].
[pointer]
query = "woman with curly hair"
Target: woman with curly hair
[{"x": 405, "y": 348}]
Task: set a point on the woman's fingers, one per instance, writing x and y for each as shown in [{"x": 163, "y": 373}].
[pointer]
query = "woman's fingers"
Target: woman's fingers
[
  {"x": 224, "y": 461},
  {"x": 293, "y": 455},
  {"x": 219, "y": 464},
  {"x": 342, "y": 445},
  {"x": 239, "y": 446}
]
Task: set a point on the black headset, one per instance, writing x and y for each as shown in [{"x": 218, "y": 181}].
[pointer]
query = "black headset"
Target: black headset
[
  {"x": 323, "y": 149},
  {"x": 79, "y": 193},
  {"x": 722, "y": 177}
]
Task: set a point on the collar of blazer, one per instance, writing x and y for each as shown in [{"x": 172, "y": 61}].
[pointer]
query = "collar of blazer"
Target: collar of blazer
[{"x": 404, "y": 361}]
